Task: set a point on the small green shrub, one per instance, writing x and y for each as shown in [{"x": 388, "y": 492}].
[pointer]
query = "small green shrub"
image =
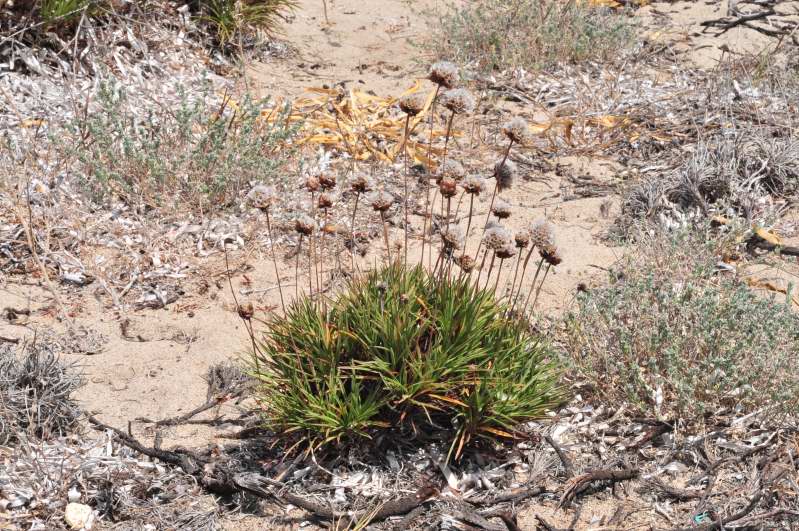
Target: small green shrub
[
  {"x": 231, "y": 19},
  {"x": 670, "y": 322},
  {"x": 191, "y": 155},
  {"x": 402, "y": 349},
  {"x": 498, "y": 34},
  {"x": 62, "y": 11}
]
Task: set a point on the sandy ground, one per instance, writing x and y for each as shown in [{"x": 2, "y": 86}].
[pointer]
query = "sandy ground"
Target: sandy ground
[{"x": 368, "y": 43}]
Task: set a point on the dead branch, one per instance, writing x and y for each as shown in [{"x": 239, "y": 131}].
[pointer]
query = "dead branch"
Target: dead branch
[
  {"x": 510, "y": 495},
  {"x": 729, "y": 519},
  {"x": 725, "y": 24},
  {"x": 673, "y": 492},
  {"x": 564, "y": 459},
  {"x": 578, "y": 483}
]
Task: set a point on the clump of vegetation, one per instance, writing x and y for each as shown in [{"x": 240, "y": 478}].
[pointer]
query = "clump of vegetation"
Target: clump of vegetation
[
  {"x": 231, "y": 20},
  {"x": 671, "y": 335},
  {"x": 195, "y": 154},
  {"x": 499, "y": 34},
  {"x": 405, "y": 350},
  {"x": 35, "y": 393}
]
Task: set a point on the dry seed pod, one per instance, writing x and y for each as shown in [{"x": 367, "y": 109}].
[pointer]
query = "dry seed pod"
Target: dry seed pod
[
  {"x": 501, "y": 209},
  {"x": 327, "y": 181},
  {"x": 311, "y": 184},
  {"x": 381, "y": 201},
  {"x": 497, "y": 237},
  {"x": 473, "y": 184},
  {"x": 451, "y": 168},
  {"x": 466, "y": 263},
  {"x": 517, "y": 131},
  {"x": 325, "y": 201},
  {"x": 412, "y": 104},
  {"x": 261, "y": 197},
  {"x": 361, "y": 184},
  {"x": 246, "y": 311},
  {"x": 305, "y": 225},
  {"x": 448, "y": 187},
  {"x": 522, "y": 239},
  {"x": 550, "y": 254},
  {"x": 459, "y": 101},
  {"x": 444, "y": 73},
  {"x": 541, "y": 234},
  {"x": 506, "y": 251},
  {"x": 452, "y": 237},
  {"x": 505, "y": 173}
]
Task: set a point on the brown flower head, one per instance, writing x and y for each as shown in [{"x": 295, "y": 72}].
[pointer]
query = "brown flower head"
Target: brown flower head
[
  {"x": 501, "y": 209},
  {"x": 412, "y": 104},
  {"x": 506, "y": 251},
  {"x": 550, "y": 254},
  {"x": 444, "y": 73},
  {"x": 452, "y": 237},
  {"x": 305, "y": 225},
  {"x": 497, "y": 237},
  {"x": 312, "y": 184},
  {"x": 361, "y": 184},
  {"x": 451, "y": 168},
  {"x": 381, "y": 201},
  {"x": 448, "y": 187},
  {"x": 246, "y": 310},
  {"x": 459, "y": 101},
  {"x": 522, "y": 238},
  {"x": 327, "y": 181},
  {"x": 541, "y": 234},
  {"x": 517, "y": 131},
  {"x": 473, "y": 184},
  {"x": 505, "y": 173},
  {"x": 466, "y": 263},
  {"x": 325, "y": 201},
  {"x": 261, "y": 197}
]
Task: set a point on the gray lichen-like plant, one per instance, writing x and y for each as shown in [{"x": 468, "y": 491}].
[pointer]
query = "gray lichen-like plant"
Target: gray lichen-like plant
[{"x": 404, "y": 352}]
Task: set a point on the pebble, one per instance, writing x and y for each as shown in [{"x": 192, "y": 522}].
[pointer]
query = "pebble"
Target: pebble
[{"x": 79, "y": 516}]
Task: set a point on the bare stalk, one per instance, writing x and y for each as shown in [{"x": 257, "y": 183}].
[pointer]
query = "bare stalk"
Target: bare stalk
[
  {"x": 274, "y": 260},
  {"x": 490, "y": 268},
  {"x": 494, "y": 196},
  {"x": 532, "y": 286},
  {"x": 427, "y": 180},
  {"x": 352, "y": 232},
  {"x": 405, "y": 197},
  {"x": 521, "y": 280},
  {"x": 541, "y": 285},
  {"x": 499, "y": 274},
  {"x": 385, "y": 235},
  {"x": 297, "y": 270}
]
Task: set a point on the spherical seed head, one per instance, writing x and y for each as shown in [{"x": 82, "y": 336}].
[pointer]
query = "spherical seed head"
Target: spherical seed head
[
  {"x": 466, "y": 263},
  {"x": 505, "y": 173},
  {"x": 451, "y": 168},
  {"x": 473, "y": 184},
  {"x": 444, "y": 73},
  {"x": 311, "y": 184},
  {"x": 448, "y": 187},
  {"x": 361, "y": 184},
  {"x": 517, "y": 131},
  {"x": 327, "y": 181},
  {"x": 506, "y": 251},
  {"x": 522, "y": 239},
  {"x": 541, "y": 234},
  {"x": 305, "y": 225},
  {"x": 452, "y": 237},
  {"x": 459, "y": 101},
  {"x": 261, "y": 197},
  {"x": 412, "y": 104},
  {"x": 501, "y": 209},
  {"x": 325, "y": 200},
  {"x": 246, "y": 311},
  {"x": 497, "y": 237},
  {"x": 550, "y": 254},
  {"x": 381, "y": 201}
]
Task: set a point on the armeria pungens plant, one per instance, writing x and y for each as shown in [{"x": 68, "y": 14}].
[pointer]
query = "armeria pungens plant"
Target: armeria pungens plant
[{"x": 402, "y": 349}]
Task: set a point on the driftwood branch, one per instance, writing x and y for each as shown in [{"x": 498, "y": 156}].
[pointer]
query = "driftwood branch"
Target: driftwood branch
[{"x": 578, "y": 483}]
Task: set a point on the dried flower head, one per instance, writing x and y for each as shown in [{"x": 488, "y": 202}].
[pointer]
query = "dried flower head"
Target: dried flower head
[
  {"x": 522, "y": 238},
  {"x": 466, "y": 263},
  {"x": 505, "y": 173},
  {"x": 497, "y": 237},
  {"x": 517, "y": 131},
  {"x": 452, "y": 237},
  {"x": 506, "y": 251},
  {"x": 311, "y": 184},
  {"x": 261, "y": 197},
  {"x": 381, "y": 201},
  {"x": 327, "y": 181},
  {"x": 444, "y": 73},
  {"x": 246, "y": 310},
  {"x": 451, "y": 168},
  {"x": 325, "y": 201},
  {"x": 473, "y": 184},
  {"x": 448, "y": 187},
  {"x": 501, "y": 209},
  {"x": 412, "y": 104},
  {"x": 361, "y": 184},
  {"x": 541, "y": 234},
  {"x": 550, "y": 254},
  {"x": 305, "y": 225},
  {"x": 459, "y": 101}
]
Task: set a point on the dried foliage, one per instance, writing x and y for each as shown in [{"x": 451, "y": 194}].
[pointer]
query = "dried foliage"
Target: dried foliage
[
  {"x": 35, "y": 392},
  {"x": 403, "y": 350},
  {"x": 674, "y": 337}
]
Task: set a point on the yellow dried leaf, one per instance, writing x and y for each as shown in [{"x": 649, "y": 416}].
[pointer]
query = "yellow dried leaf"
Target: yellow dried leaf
[{"x": 768, "y": 236}]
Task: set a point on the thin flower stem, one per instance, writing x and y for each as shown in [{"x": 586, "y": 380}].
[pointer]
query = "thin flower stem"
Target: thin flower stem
[
  {"x": 427, "y": 180},
  {"x": 532, "y": 286},
  {"x": 274, "y": 260},
  {"x": 515, "y": 274},
  {"x": 490, "y": 269},
  {"x": 541, "y": 285},
  {"x": 494, "y": 195},
  {"x": 480, "y": 269},
  {"x": 385, "y": 235},
  {"x": 352, "y": 232},
  {"x": 405, "y": 198},
  {"x": 312, "y": 245},
  {"x": 521, "y": 280},
  {"x": 499, "y": 274},
  {"x": 297, "y": 271}
]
